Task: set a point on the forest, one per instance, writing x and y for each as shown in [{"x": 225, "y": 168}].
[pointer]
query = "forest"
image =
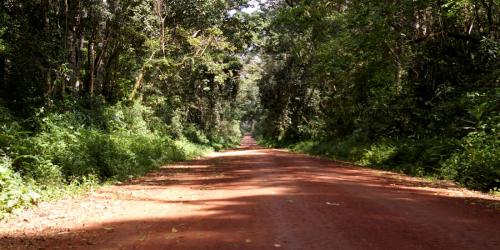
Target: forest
[{"x": 99, "y": 91}]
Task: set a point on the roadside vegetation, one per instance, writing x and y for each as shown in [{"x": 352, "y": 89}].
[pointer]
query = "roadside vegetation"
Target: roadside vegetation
[
  {"x": 63, "y": 156},
  {"x": 408, "y": 86},
  {"x": 103, "y": 91}
]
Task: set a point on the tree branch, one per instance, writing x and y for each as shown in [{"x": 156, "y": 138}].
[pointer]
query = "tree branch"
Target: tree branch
[{"x": 468, "y": 38}]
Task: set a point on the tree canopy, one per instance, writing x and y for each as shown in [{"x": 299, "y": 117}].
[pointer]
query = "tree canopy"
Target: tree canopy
[{"x": 406, "y": 85}]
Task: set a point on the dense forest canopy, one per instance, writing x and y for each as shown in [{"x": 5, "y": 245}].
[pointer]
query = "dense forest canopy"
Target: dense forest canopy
[
  {"x": 410, "y": 86},
  {"x": 98, "y": 90}
]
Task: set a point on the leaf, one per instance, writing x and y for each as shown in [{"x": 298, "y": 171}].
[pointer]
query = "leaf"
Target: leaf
[
  {"x": 333, "y": 204},
  {"x": 277, "y": 245},
  {"x": 174, "y": 230},
  {"x": 248, "y": 240},
  {"x": 143, "y": 238},
  {"x": 109, "y": 229},
  {"x": 289, "y": 201}
]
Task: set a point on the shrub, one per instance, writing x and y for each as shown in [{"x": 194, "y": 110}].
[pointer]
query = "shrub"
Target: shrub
[
  {"x": 15, "y": 194},
  {"x": 226, "y": 135},
  {"x": 194, "y": 134},
  {"x": 416, "y": 157},
  {"x": 78, "y": 148},
  {"x": 343, "y": 149},
  {"x": 476, "y": 163}
]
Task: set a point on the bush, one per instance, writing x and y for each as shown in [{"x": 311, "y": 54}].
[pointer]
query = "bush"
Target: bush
[
  {"x": 226, "y": 135},
  {"x": 126, "y": 150},
  {"x": 77, "y": 150},
  {"x": 343, "y": 149},
  {"x": 415, "y": 157},
  {"x": 14, "y": 193},
  {"x": 194, "y": 134},
  {"x": 476, "y": 163}
]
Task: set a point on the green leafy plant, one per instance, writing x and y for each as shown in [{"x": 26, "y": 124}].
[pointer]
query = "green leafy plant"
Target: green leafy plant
[{"x": 15, "y": 194}]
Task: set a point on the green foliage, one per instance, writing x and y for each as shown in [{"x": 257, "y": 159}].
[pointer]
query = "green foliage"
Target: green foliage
[
  {"x": 475, "y": 163},
  {"x": 419, "y": 158},
  {"x": 414, "y": 157},
  {"x": 342, "y": 149},
  {"x": 226, "y": 135},
  {"x": 185, "y": 150},
  {"x": 74, "y": 152},
  {"x": 94, "y": 91},
  {"x": 194, "y": 134},
  {"x": 15, "y": 194},
  {"x": 122, "y": 148},
  {"x": 409, "y": 86}
]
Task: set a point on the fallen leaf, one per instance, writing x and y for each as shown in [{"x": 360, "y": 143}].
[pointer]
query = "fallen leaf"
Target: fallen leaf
[
  {"x": 289, "y": 200},
  {"x": 334, "y": 204},
  {"x": 174, "y": 230},
  {"x": 277, "y": 245},
  {"x": 109, "y": 229},
  {"x": 143, "y": 238},
  {"x": 248, "y": 241}
]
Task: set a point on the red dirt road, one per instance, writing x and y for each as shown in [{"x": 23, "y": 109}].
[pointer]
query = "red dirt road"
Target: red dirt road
[{"x": 256, "y": 198}]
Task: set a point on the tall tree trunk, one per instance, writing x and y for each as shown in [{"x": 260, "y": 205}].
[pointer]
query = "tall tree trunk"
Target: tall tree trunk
[
  {"x": 92, "y": 68},
  {"x": 137, "y": 83},
  {"x": 141, "y": 75}
]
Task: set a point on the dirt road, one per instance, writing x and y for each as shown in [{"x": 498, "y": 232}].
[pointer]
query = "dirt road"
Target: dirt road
[{"x": 256, "y": 198}]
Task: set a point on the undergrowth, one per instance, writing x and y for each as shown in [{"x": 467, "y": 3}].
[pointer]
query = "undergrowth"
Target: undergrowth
[
  {"x": 69, "y": 152},
  {"x": 471, "y": 162}
]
